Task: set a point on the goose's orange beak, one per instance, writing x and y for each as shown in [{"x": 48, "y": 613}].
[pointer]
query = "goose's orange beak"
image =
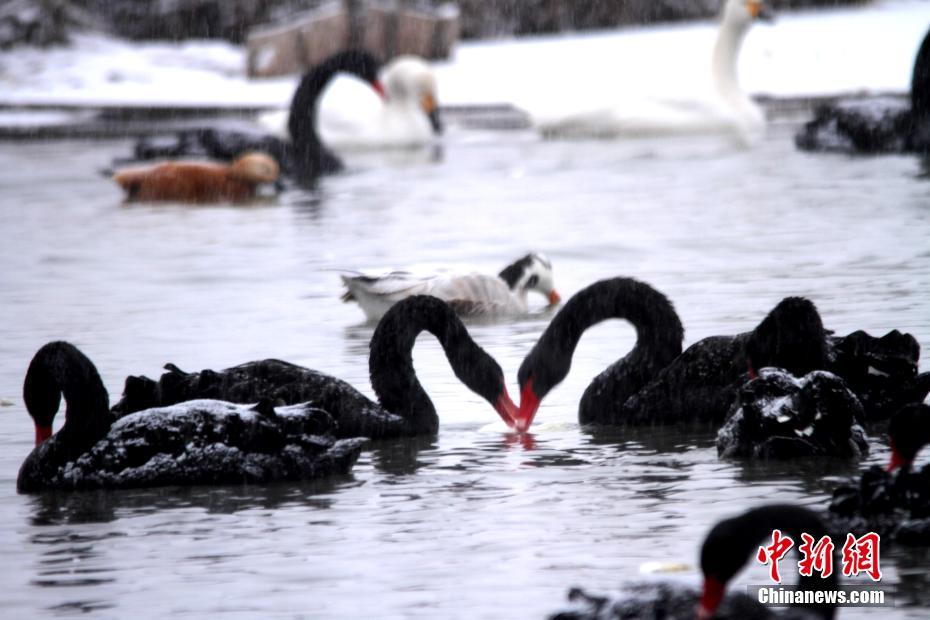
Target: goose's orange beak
[{"x": 554, "y": 297}]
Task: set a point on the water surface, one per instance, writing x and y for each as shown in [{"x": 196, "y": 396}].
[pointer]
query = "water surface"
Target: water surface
[{"x": 472, "y": 523}]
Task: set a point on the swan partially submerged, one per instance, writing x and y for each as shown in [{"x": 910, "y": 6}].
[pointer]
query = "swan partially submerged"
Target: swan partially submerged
[{"x": 726, "y": 109}]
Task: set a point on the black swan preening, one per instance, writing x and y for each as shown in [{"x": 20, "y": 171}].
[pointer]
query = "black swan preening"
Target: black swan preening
[
  {"x": 726, "y": 549},
  {"x": 404, "y": 410},
  {"x": 895, "y": 502},
  {"x": 876, "y": 125},
  {"x": 198, "y": 442},
  {"x": 658, "y": 341},
  {"x": 776, "y": 415},
  {"x": 304, "y": 157}
]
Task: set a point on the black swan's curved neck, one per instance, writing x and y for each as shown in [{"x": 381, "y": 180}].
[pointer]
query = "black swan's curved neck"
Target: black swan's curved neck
[
  {"x": 920, "y": 80},
  {"x": 658, "y": 334},
  {"x": 729, "y": 545},
  {"x": 60, "y": 368},
  {"x": 390, "y": 362},
  {"x": 311, "y": 158}
]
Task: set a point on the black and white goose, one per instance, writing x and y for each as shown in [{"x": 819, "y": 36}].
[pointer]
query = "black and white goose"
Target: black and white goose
[{"x": 470, "y": 295}]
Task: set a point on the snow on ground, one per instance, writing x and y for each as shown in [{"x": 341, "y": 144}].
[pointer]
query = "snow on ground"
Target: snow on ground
[{"x": 808, "y": 53}]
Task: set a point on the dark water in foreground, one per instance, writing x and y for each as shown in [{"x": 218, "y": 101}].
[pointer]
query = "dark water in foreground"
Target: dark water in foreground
[{"x": 472, "y": 523}]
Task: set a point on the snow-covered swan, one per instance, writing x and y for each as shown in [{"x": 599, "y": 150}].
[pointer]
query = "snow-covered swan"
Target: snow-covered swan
[{"x": 727, "y": 109}]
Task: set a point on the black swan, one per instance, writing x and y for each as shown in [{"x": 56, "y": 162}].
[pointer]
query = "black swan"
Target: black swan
[
  {"x": 875, "y": 125},
  {"x": 198, "y": 442},
  {"x": 305, "y": 157},
  {"x": 883, "y": 372},
  {"x": 654, "y": 384},
  {"x": 700, "y": 384},
  {"x": 658, "y": 341},
  {"x": 404, "y": 410},
  {"x": 471, "y": 294},
  {"x": 895, "y": 505},
  {"x": 776, "y": 415},
  {"x": 726, "y": 549}
]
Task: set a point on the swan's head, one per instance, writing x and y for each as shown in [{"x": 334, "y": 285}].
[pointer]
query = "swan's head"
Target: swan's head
[
  {"x": 408, "y": 79},
  {"x": 532, "y": 272},
  {"x": 742, "y": 13},
  {"x": 255, "y": 167},
  {"x": 908, "y": 432}
]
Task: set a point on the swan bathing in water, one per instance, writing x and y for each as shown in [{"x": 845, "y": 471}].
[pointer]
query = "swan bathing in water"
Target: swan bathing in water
[{"x": 725, "y": 109}]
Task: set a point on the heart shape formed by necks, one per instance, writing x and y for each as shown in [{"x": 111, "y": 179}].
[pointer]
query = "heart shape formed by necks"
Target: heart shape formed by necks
[{"x": 529, "y": 404}]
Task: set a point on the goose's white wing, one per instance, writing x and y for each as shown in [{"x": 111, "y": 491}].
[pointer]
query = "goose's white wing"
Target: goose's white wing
[{"x": 469, "y": 295}]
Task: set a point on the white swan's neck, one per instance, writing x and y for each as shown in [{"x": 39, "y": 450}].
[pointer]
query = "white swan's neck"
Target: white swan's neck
[{"x": 726, "y": 52}]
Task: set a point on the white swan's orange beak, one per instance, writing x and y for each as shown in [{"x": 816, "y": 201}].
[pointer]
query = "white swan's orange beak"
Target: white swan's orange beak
[
  {"x": 759, "y": 10},
  {"x": 554, "y": 297},
  {"x": 431, "y": 109}
]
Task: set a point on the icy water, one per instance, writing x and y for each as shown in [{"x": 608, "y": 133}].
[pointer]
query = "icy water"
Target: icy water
[{"x": 473, "y": 523}]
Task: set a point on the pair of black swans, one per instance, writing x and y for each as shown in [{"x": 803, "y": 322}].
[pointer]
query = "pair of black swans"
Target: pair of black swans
[{"x": 785, "y": 389}]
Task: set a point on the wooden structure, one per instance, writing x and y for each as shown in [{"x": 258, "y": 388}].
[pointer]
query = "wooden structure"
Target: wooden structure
[{"x": 386, "y": 29}]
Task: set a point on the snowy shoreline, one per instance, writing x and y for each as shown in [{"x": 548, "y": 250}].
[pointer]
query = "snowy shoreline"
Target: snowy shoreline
[{"x": 817, "y": 53}]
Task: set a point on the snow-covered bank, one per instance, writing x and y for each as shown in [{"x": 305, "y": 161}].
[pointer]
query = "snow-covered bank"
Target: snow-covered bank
[{"x": 809, "y": 53}]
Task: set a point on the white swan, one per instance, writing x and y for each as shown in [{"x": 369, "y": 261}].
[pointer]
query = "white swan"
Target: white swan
[
  {"x": 351, "y": 116},
  {"x": 474, "y": 294},
  {"x": 727, "y": 110}
]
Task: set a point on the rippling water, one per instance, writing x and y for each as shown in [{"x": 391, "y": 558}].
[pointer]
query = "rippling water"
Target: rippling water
[{"x": 473, "y": 523}]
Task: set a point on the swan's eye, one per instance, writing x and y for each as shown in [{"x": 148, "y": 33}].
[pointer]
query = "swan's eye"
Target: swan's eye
[{"x": 533, "y": 281}]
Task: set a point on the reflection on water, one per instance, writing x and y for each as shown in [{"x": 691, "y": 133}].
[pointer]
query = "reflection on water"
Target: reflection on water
[{"x": 476, "y": 522}]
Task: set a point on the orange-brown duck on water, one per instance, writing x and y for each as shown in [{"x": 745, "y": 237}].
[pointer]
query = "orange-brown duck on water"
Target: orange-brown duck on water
[{"x": 199, "y": 181}]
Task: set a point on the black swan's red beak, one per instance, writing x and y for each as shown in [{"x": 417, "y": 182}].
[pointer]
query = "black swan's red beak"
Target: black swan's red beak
[
  {"x": 42, "y": 433},
  {"x": 529, "y": 403},
  {"x": 710, "y": 598},
  {"x": 506, "y": 408},
  {"x": 896, "y": 460},
  {"x": 379, "y": 88}
]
